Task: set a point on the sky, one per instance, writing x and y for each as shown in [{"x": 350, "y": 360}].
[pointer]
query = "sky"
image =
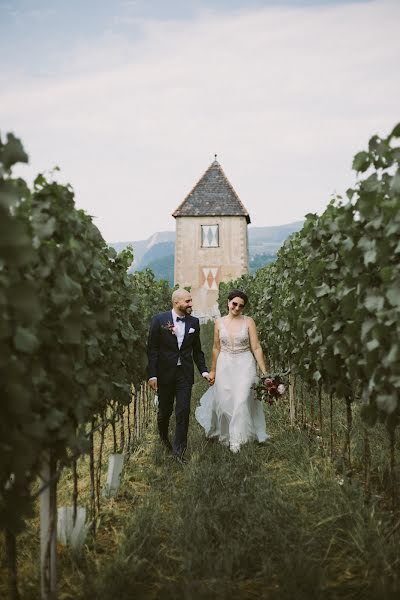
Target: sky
[{"x": 132, "y": 99}]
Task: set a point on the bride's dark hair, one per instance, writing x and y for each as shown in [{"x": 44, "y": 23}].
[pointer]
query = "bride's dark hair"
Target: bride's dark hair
[{"x": 238, "y": 294}]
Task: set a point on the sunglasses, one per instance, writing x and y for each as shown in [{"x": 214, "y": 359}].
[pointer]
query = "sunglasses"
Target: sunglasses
[{"x": 237, "y": 305}]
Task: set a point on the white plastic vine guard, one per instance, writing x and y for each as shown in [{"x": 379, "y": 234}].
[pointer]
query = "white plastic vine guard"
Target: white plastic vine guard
[
  {"x": 69, "y": 534},
  {"x": 115, "y": 464}
]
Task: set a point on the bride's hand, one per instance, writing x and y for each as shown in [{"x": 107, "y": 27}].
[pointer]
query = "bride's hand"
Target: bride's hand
[{"x": 211, "y": 377}]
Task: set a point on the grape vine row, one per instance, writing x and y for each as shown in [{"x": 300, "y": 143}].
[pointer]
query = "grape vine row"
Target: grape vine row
[
  {"x": 329, "y": 306},
  {"x": 73, "y": 325}
]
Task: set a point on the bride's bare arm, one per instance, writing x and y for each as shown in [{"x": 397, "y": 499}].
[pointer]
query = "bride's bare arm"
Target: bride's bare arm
[
  {"x": 215, "y": 352},
  {"x": 255, "y": 346}
]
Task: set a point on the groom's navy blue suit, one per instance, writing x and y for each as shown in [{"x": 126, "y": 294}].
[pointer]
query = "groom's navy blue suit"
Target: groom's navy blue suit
[{"x": 173, "y": 381}]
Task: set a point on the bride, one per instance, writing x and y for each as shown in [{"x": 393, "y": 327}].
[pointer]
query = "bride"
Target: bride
[{"x": 229, "y": 411}]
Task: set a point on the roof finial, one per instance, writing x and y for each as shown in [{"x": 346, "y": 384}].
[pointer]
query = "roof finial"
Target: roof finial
[{"x": 215, "y": 156}]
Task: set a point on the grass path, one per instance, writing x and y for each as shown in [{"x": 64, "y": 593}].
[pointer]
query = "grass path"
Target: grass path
[{"x": 273, "y": 521}]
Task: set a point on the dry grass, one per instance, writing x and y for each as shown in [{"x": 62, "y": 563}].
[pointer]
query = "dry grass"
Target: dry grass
[{"x": 72, "y": 566}]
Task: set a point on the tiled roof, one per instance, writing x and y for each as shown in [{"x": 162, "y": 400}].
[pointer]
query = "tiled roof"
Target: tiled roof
[{"x": 212, "y": 195}]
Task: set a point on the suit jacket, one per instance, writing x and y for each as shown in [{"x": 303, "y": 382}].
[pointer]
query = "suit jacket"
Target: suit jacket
[{"x": 163, "y": 351}]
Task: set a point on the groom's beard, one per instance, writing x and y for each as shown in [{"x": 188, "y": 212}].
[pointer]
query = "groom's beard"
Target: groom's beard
[{"x": 188, "y": 311}]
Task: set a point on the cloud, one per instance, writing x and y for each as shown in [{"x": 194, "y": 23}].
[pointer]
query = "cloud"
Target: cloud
[{"x": 285, "y": 96}]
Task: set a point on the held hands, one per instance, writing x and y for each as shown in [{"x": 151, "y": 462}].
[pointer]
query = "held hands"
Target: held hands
[
  {"x": 153, "y": 383},
  {"x": 211, "y": 377}
]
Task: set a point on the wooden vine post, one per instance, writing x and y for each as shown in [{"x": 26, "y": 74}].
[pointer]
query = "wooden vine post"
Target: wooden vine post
[
  {"x": 48, "y": 530},
  {"x": 137, "y": 413},
  {"x": 320, "y": 404},
  {"x": 292, "y": 408},
  {"x": 367, "y": 467},
  {"x": 331, "y": 421},
  {"x": 392, "y": 440},
  {"x": 128, "y": 416},
  {"x": 347, "y": 445},
  {"x": 92, "y": 478}
]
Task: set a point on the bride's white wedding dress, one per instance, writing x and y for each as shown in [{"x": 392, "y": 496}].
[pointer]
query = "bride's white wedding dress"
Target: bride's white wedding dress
[{"x": 229, "y": 410}]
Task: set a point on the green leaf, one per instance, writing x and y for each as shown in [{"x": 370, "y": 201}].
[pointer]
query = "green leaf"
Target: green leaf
[
  {"x": 45, "y": 229},
  {"x": 393, "y": 294},
  {"x": 391, "y": 357},
  {"x": 373, "y": 345},
  {"x": 386, "y": 274},
  {"x": 374, "y": 303},
  {"x": 322, "y": 290},
  {"x": 55, "y": 419},
  {"x": 23, "y": 297},
  {"x": 395, "y": 183},
  {"x": 9, "y": 193},
  {"x": 387, "y": 402},
  {"x": 12, "y": 152},
  {"x": 370, "y": 257},
  {"x": 361, "y": 162},
  {"x": 395, "y": 131},
  {"x": 25, "y": 340},
  {"x": 372, "y": 184},
  {"x": 366, "y": 327}
]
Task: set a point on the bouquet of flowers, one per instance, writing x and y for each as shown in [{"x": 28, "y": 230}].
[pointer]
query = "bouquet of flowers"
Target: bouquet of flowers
[{"x": 271, "y": 387}]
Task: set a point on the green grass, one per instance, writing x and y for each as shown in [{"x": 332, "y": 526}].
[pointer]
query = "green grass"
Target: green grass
[{"x": 274, "y": 521}]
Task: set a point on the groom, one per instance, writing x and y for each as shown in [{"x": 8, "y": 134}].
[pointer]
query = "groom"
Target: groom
[{"x": 173, "y": 345}]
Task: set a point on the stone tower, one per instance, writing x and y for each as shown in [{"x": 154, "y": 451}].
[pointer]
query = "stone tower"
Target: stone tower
[{"x": 211, "y": 240}]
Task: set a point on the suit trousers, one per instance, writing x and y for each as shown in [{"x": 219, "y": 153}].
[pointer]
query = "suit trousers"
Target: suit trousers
[{"x": 179, "y": 389}]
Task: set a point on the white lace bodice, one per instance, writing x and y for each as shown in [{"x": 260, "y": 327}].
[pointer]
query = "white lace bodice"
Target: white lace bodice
[
  {"x": 229, "y": 411},
  {"x": 236, "y": 343}
]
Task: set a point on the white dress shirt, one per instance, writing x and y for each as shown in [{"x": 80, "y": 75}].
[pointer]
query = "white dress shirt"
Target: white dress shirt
[{"x": 180, "y": 330}]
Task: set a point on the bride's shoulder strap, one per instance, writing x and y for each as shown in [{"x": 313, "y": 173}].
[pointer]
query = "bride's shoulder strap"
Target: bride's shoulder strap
[{"x": 219, "y": 321}]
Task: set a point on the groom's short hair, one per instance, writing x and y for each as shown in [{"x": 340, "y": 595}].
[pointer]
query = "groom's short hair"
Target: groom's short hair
[{"x": 179, "y": 293}]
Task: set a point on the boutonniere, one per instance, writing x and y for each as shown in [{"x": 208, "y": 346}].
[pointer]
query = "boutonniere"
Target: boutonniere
[{"x": 169, "y": 327}]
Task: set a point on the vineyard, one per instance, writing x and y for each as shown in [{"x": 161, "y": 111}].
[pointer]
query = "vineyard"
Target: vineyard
[
  {"x": 329, "y": 310},
  {"x": 73, "y": 326},
  {"x": 313, "y": 513}
]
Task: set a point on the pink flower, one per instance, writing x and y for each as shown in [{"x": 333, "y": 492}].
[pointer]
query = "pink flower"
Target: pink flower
[{"x": 170, "y": 327}]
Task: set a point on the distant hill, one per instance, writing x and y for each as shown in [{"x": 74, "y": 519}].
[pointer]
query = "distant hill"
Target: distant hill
[
  {"x": 260, "y": 260},
  {"x": 160, "y": 259},
  {"x": 157, "y": 252},
  {"x": 268, "y": 240},
  {"x": 163, "y": 268},
  {"x": 141, "y": 247}
]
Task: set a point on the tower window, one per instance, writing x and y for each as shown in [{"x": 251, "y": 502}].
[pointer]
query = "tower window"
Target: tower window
[{"x": 209, "y": 236}]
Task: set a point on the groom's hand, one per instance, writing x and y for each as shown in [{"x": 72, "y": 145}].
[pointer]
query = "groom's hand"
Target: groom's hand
[{"x": 153, "y": 383}]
